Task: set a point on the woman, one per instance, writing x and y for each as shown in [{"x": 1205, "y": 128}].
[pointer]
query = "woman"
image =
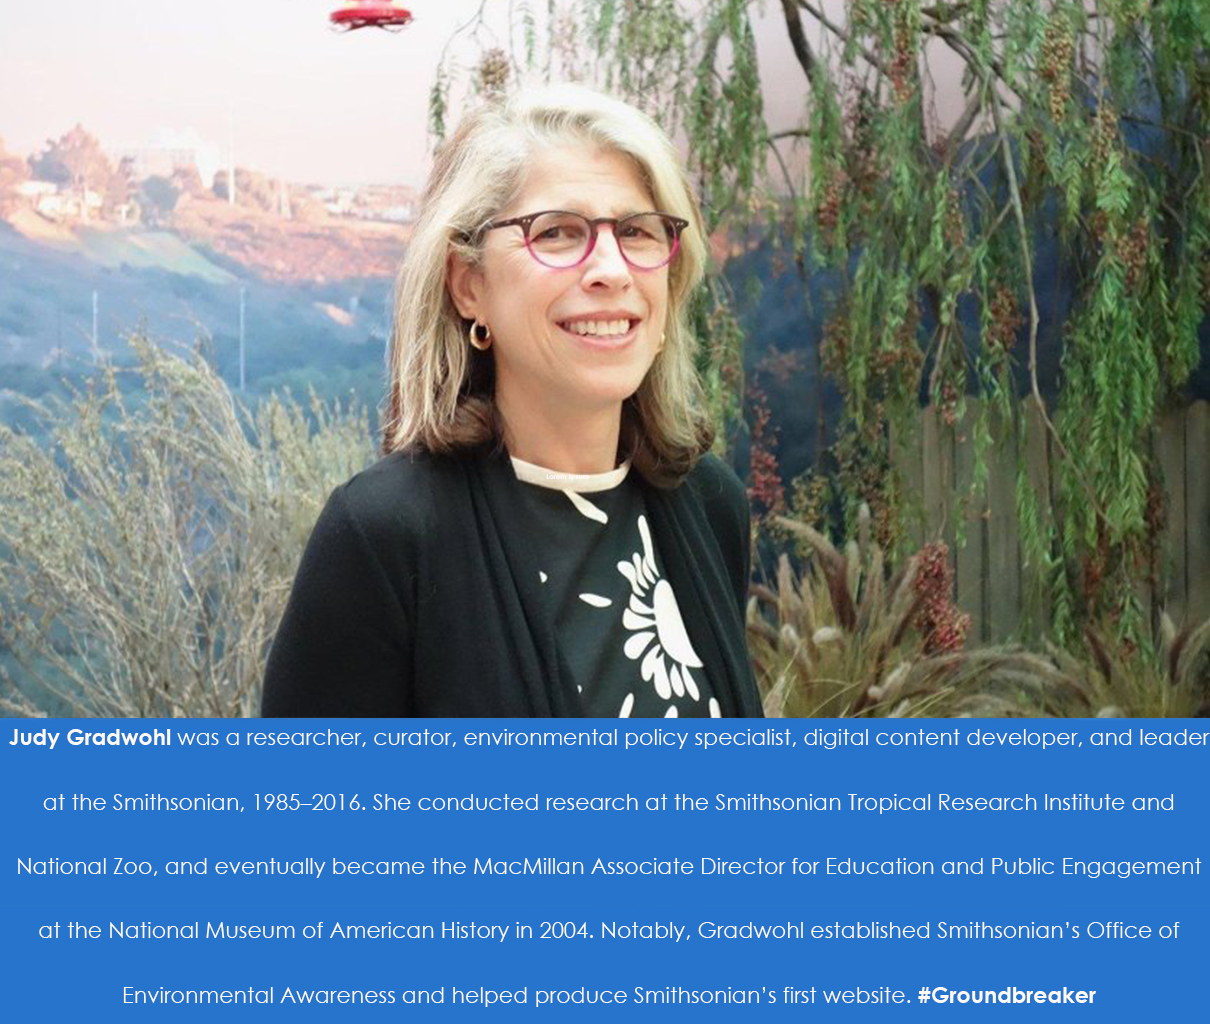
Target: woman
[{"x": 546, "y": 535}]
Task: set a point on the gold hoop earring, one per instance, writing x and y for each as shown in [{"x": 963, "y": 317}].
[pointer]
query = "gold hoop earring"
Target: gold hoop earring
[{"x": 480, "y": 336}]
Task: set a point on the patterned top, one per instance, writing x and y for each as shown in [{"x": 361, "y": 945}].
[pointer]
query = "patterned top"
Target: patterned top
[{"x": 616, "y": 616}]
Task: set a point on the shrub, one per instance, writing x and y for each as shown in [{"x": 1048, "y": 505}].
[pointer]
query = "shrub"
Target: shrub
[{"x": 147, "y": 548}]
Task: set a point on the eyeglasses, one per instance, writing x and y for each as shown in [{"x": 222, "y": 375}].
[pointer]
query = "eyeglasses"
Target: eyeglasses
[{"x": 560, "y": 239}]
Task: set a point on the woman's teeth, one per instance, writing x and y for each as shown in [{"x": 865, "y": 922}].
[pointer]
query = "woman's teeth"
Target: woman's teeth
[{"x": 599, "y": 327}]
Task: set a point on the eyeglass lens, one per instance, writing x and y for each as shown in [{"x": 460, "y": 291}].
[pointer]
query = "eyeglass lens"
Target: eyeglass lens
[{"x": 562, "y": 239}]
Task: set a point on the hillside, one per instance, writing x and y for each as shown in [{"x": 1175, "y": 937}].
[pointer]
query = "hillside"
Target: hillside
[
  {"x": 328, "y": 335},
  {"x": 84, "y": 242},
  {"x": 309, "y": 247}
]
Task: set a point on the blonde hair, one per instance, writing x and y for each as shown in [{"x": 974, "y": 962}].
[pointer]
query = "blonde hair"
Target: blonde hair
[{"x": 441, "y": 389}]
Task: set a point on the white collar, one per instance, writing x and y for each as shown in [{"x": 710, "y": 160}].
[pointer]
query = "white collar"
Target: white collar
[{"x": 578, "y": 482}]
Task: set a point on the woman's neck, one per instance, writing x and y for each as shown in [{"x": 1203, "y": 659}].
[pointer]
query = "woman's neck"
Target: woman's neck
[{"x": 581, "y": 443}]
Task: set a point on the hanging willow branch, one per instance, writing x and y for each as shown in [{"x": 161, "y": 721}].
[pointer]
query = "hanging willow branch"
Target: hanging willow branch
[{"x": 1014, "y": 190}]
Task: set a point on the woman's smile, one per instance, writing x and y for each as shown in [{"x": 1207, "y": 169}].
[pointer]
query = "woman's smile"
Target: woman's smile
[{"x": 602, "y": 331}]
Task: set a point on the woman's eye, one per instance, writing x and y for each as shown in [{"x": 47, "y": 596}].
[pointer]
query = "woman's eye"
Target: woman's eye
[
  {"x": 641, "y": 231},
  {"x": 559, "y": 233}
]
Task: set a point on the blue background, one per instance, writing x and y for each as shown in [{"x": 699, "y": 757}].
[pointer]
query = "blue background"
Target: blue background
[{"x": 63, "y": 978}]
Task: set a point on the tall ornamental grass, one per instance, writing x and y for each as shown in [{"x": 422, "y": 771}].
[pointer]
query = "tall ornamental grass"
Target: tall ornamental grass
[{"x": 848, "y": 637}]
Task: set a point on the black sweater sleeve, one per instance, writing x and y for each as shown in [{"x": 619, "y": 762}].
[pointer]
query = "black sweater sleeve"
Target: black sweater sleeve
[
  {"x": 730, "y": 515},
  {"x": 344, "y": 646},
  {"x": 744, "y": 511}
]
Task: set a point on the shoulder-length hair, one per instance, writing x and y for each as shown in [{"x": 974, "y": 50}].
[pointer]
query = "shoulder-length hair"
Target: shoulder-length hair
[{"x": 441, "y": 389}]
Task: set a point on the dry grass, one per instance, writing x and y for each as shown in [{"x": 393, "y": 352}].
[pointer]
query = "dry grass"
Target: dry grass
[
  {"x": 1170, "y": 681},
  {"x": 146, "y": 552}
]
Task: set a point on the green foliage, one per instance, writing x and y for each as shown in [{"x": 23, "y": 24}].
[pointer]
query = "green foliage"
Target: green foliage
[
  {"x": 147, "y": 543},
  {"x": 438, "y": 102},
  {"x": 649, "y": 37},
  {"x": 720, "y": 361},
  {"x": 725, "y": 113}
]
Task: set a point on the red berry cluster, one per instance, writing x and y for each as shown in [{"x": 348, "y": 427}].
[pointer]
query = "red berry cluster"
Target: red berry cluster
[
  {"x": 1155, "y": 515},
  {"x": 894, "y": 370},
  {"x": 948, "y": 405},
  {"x": 903, "y": 64},
  {"x": 862, "y": 163},
  {"x": 1058, "y": 48},
  {"x": 955, "y": 220},
  {"x": 1092, "y": 574},
  {"x": 942, "y": 625},
  {"x": 766, "y": 490},
  {"x": 863, "y": 471},
  {"x": 781, "y": 366},
  {"x": 1132, "y": 248},
  {"x": 894, "y": 366},
  {"x": 493, "y": 72},
  {"x": 1003, "y": 321},
  {"x": 1104, "y": 133},
  {"x": 834, "y": 347},
  {"x": 828, "y": 214}
]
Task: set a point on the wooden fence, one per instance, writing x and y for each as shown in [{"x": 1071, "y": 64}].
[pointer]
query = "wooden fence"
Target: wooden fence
[{"x": 994, "y": 583}]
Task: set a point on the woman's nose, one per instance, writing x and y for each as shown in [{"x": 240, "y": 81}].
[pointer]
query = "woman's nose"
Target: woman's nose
[{"x": 606, "y": 262}]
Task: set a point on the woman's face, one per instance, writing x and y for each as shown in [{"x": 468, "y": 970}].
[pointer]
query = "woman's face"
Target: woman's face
[{"x": 555, "y": 333}]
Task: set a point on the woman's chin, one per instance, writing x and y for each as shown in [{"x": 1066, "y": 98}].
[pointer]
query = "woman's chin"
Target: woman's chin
[{"x": 609, "y": 389}]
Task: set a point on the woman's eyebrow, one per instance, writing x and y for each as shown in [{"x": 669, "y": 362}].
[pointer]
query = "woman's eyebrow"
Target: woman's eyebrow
[{"x": 576, "y": 205}]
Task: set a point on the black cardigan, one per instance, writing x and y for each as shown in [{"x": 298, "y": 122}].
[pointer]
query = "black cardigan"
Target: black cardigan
[{"x": 418, "y": 595}]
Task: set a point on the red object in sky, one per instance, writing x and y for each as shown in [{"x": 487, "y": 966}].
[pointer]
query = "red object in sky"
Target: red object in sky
[{"x": 386, "y": 14}]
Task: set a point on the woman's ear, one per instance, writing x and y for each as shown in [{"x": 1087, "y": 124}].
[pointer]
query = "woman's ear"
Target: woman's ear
[{"x": 465, "y": 283}]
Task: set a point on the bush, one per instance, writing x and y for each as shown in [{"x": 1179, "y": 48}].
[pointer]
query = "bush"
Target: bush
[
  {"x": 147, "y": 548},
  {"x": 159, "y": 196}
]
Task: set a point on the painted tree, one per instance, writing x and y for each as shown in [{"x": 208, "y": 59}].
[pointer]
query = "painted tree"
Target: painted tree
[
  {"x": 74, "y": 159},
  {"x": 1082, "y": 133}
]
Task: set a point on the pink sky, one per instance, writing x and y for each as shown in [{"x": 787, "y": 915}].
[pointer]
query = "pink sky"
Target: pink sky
[{"x": 302, "y": 101}]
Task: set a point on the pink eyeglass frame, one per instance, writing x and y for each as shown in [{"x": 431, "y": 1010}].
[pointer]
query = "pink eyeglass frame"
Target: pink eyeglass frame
[{"x": 594, "y": 223}]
